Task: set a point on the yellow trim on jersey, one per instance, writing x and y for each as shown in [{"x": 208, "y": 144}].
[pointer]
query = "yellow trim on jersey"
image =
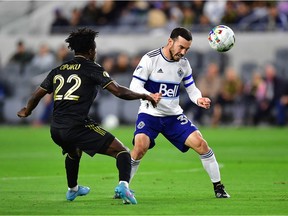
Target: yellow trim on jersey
[
  {"x": 107, "y": 84},
  {"x": 43, "y": 88}
]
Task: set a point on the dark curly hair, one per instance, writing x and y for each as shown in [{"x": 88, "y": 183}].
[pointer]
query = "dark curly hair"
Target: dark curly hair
[{"x": 82, "y": 40}]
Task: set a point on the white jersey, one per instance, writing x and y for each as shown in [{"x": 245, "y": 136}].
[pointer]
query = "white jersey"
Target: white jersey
[{"x": 155, "y": 73}]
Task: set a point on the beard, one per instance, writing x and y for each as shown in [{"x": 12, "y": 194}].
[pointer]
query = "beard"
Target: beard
[{"x": 175, "y": 57}]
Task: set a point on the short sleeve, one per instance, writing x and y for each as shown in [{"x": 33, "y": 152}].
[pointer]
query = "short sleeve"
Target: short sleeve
[
  {"x": 47, "y": 83},
  {"x": 100, "y": 76},
  {"x": 143, "y": 70}
]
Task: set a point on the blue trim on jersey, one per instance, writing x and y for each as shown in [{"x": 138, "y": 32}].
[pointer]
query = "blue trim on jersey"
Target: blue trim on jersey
[
  {"x": 188, "y": 84},
  {"x": 163, "y": 81},
  {"x": 165, "y": 57},
  {"x": 169, "y": 98},
  {"x": 139, "y": 78},
  {"x": 169, "y": 90},
  {"x": 188, "y": 77}
]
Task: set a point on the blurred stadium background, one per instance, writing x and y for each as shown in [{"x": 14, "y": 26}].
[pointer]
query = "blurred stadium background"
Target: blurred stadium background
[{"x": 32, "y": 35}]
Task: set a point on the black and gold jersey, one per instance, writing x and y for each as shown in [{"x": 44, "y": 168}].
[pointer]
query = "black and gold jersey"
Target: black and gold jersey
[{"x": 74, "y": 85}]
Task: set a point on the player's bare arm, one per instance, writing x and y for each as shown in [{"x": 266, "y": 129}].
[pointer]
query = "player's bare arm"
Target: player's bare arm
[
  {"x": 32, "y": 102},
  {"x": 204, "y": 102},
  {"x": 126, "y": 94}
]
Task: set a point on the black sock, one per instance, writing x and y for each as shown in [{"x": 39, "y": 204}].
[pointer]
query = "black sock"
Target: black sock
[
  {"x": 72, "y": 168},
  {"x": 123, "y": 163}
]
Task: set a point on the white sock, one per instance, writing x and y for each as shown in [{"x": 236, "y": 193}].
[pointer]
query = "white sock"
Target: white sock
[
  {"x": 125, "y": 182},
  {"x": 134, "y": 167},
  {"x": 74, "y": 188},
  {"x": 211, "y": 166}
]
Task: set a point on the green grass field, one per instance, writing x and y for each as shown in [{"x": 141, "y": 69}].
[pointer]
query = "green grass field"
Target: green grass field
[{"x": 253, "y": 161}]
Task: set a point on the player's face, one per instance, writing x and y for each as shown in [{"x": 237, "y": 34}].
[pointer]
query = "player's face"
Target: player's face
[
  {"x": 178, "y": 48},
  {"x": 92, "y": 53}
]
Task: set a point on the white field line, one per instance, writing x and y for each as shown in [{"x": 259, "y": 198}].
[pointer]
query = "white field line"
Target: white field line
[{"x": 106, "y": 174}]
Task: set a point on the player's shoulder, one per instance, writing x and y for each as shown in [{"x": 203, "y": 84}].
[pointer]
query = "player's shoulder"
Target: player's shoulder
[
  {"x": 91, "y": 67},
  {"x": 184, "y": 59},
  {"x": 184, "y": 62},
  {"x": 154, "y": 53}
]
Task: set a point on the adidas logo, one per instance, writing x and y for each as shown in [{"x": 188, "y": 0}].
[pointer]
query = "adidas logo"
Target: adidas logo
[{"x": 160, "y": 71}]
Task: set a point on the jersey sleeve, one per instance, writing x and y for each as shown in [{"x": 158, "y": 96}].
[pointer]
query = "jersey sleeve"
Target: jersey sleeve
[
  {"x": 141, "y": 75},
  {"x": 189, "y": 83},
  {"x": 99, "y": 75},
  {"x": 47, "y": 83}
]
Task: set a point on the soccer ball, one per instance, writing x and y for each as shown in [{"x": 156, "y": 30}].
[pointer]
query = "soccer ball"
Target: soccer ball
[
  {"x": 221, "y": 38},
  {"x": 110, "y": 121}
]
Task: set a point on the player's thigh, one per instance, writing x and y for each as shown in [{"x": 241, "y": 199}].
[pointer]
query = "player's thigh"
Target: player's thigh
[
  {"x": 142, "y": 141},
  {"x": 91, "y": 139},
  {"x": 196, "y": 141},
  {"x": 177, "y": 130},
  {"x": 146, "y": 130},
  {"x": 141, "y": 146}
]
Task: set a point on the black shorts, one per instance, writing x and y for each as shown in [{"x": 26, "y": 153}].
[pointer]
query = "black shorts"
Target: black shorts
[{"x": 90, "y": 138}]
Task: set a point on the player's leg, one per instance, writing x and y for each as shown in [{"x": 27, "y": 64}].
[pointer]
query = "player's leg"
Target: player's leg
[
  {"x": 123, "y": 162},
  {"x": 147, "y": 129},
  {"x": 94, "y": 139},
  {"x": 196, "y": 141},
  {"x": 141, "y": 146},
  {"x": 180, "y": 131},
  {"x": 72, "y": 162}
]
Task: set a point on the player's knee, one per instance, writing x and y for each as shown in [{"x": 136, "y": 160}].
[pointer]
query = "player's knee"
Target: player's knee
[
  {"x": 199, "y": 144},
  {"x": 139, "y": 151},
  {"x": 75, "y": 155},
  {"x": 141, "y": 145},
  {"x": 203, "y": 147},
  {"x": 124, "y": 155}
]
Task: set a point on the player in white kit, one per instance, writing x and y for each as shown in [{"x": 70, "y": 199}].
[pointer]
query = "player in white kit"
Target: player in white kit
[{"x": 160, "y": 73}]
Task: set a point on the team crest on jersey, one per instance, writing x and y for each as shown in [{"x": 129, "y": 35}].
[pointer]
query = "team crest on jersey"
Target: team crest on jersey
[
  {"x": 180, "y": 72},
  {"x": 105, "y": 74},
  {"x": 140, "y": 125}
]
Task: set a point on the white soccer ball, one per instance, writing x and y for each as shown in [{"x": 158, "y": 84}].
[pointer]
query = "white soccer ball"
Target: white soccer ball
[
  {"x": 221, "y": 38},
  {"x": 110, "y": 121}
]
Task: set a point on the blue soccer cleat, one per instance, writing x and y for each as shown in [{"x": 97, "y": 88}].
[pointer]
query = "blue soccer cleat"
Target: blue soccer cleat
[
  {"x": 125, "y": 194},
  {"x": 82, "y": 191},
  {"x": 117, "y": 195}
]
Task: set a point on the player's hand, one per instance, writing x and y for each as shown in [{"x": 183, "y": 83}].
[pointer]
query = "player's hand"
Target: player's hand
[
  {"x": 153, "y": 98},
  {"x": 204, "y": 102},
  {"x": 23, "y": 113},
  {"x": 156, "y": 97}
]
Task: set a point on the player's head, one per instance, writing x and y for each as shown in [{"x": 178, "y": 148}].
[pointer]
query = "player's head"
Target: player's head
[
  {"x": 179, "y": 42},
  {"x": 82, "y": 42}
]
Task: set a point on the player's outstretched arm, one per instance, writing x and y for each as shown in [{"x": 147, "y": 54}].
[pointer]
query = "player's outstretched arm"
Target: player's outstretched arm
[
  {"x": 32, "y": 102},
  {"x": 126, "y": 94}
]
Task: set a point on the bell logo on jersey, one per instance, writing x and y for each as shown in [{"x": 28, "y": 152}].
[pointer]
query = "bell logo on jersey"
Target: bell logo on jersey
[{"x": 168, "y": 90}]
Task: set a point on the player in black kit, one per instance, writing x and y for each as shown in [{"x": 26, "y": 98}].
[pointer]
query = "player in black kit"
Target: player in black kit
[{"x": 74, "y": 85}]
